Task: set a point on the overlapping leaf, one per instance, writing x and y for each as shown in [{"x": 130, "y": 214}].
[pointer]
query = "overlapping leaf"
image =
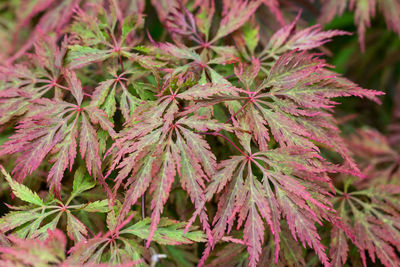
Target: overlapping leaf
[
  {"x": 24, "y": 82},
  {"x": 162, "y": 144},
  {"x": 99, "y": 41},
  {"x": 283, "y": 191},
  {"x": 294, "y": 102},
  {"x": 40, "y": 216},
  {"x": 375, "y": 220},
  {"x": 182, "y": 22},
  {"x": 52, "y": 127},
  {"x": 165, "y": 99},
  {"x": 119, "y": 244}
]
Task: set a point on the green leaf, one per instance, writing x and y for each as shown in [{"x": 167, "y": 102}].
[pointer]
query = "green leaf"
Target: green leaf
[
  {"x": 52, "y": 225},
  {"x": 129, "y": 25},
  {"x": 109, "y": 105},
  {"x": 96, "y": 206},
  {"x": 80, "y": 56},
  {"x": 33, "y": 227},
  {"x": 16, "y": 218},
  {"x": 76, "y": 229},
  {"x": 169, "y": 232},
  {"x": 250, "y": 36},
  {"x": 216, "y": 78},
  {"x": 82, "y": 181},
  {"x": 21, "y": 191},
  {"x": 111, "y": 220}
]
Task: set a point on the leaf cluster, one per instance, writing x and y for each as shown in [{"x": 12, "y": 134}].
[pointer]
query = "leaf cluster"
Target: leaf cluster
[{"x": 211, "y": 143}]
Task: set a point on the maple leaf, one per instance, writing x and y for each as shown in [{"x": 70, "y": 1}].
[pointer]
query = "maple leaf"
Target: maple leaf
[
  {"x": 20, "y": 191},
  {"x": 339, "y": 247},
  {"x": 35, "y": 220},
  {"x": 52, "y": 127},
  {"x": 162, "y": 143},
  {"x": 249, "y": 37},
  {"x": 230, "y": 255},
  {"x": 247, "y": 123},
  {"x": 200, "y": 65},
  {"x": 182, "y": 22},
  {"x": 24, "y": 82},
  {"x": 119, "y": 246},
  {"x": 235, "y": 17},
  {"x": 289, "y": 38},
  {"x": 108, "y": 93},
  {"x": 288, "y": 175},
  {"x": 374, "y": 216},
  {"x": 290, "y": 253},
  {"x": 295, "y": 102},
  {"x": 99, "y": 41}
]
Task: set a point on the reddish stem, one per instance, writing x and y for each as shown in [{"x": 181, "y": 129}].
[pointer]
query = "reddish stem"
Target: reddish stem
[
  {"x": 120, "y": 61},
  {"x": 237, "y": 112},
  {"x": 227, "y": 139}
]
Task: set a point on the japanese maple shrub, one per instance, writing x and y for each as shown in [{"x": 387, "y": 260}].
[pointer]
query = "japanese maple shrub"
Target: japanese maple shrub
[{"x": 210, "y": 140}]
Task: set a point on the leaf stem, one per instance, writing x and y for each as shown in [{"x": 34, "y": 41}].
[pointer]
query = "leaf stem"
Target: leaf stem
[
  {"x": 121, "y": 62},
  {"x": 237, "y": 112},
  {"x": 227, "y": 139}
]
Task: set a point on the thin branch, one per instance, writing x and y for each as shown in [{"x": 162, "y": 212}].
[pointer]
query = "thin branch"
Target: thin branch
[
  {"x": 144, "y": 212},
  {"x": 121, "y": 62},
  {"x": 143, "y": 206}
]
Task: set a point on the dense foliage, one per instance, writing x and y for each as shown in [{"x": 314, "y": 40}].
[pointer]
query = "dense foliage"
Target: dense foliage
[{"x": 176, "y": 133}]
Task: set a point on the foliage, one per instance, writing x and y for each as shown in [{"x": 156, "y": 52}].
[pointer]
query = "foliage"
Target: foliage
[
  {"x": 175, "y": 133},
  {"x": 364, "y": 10}
]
